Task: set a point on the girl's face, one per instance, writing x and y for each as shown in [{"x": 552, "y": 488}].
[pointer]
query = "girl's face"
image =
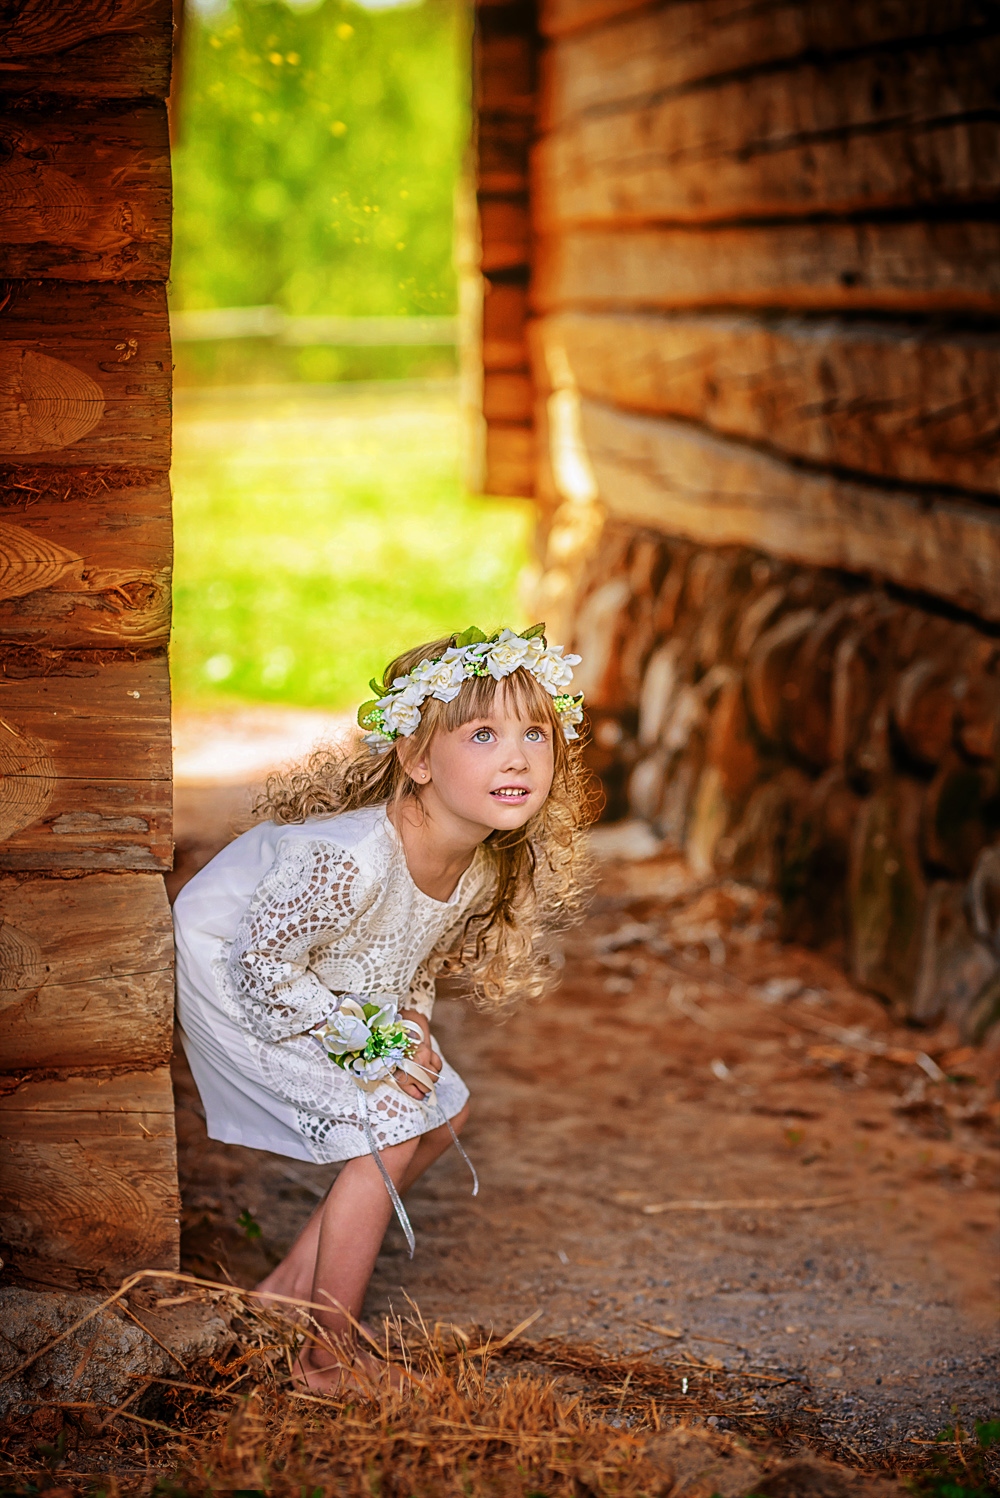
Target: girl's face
[{"x": 494, "y": 772}]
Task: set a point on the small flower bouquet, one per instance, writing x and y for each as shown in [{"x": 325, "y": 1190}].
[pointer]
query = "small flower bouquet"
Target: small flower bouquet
[{"x": 368, "y": 1039}]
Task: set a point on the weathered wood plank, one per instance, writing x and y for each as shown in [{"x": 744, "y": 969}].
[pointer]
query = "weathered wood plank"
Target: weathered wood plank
[
  {"x": 86, "y": 971},
  {"x": 613, "y": 50},
  {"x": 85, "y": 193},
  {"x": 889, "y": 130},
  {"x": 559, "y": 18},
  {"x": 85, "y": 761},
  {"x": 505, "y": 72},
  {"x": 508, "y": 398},
  {"x": 123, "y": 65},
  {"x": 893, "y": 267},
  {"x": 88, "y": 1175},
  {"x": 85, "y": 374},
  {"x": 42, "y": 28},
  {"x": 683, "y": 482},
  {"x": 505, "y": 315},
  {"x": 906, "y": 403},
  {"x": 84, "y": 557},
  {"x": 502, "y": 148},
  {"x": 510, "y": 460},
  {"x": 505, "y": 232},
  {"x": 102, "y": 1094}
]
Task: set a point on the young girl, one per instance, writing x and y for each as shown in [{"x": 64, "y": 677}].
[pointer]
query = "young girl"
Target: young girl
[{"x": 446, "y": 841}]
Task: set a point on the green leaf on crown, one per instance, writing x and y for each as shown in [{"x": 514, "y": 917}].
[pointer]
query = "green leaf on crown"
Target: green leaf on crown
[
  {"x": 536, "y": 632},
  {"x": 377, "y": 687},
  {"x": 470, "y": 636},
  {"x": 369, "y": 715}
]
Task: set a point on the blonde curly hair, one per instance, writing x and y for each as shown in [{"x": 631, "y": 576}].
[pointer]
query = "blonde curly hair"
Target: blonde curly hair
[{"x": 541, "y": 872}]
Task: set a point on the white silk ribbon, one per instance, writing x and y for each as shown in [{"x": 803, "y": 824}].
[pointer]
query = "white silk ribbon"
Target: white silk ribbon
[{"x": 425, "y": 1078}]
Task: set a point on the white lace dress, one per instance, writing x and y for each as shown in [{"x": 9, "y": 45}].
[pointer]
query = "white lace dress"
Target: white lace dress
[{"x": 270, "y": 934}]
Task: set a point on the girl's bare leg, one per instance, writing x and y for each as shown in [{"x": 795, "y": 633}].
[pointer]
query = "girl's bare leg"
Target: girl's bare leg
[
  {"x": 333, "y": 1257},
  {"x": 431, "y": 1146},
  {"x": 295, "y": 1274},
  {"x": 355, "y": 1216}
]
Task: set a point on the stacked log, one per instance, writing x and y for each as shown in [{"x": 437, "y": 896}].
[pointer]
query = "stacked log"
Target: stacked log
[
  {"x": 796, "y": 729},
  {"x": 88, "y": 1185}
]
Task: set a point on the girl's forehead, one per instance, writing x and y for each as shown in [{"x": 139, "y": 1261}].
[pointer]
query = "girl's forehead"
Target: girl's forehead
[{"x": 503, "y": 712}]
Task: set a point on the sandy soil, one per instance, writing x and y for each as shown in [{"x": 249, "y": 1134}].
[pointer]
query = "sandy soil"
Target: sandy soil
[{"x": 688, "y": 1060}]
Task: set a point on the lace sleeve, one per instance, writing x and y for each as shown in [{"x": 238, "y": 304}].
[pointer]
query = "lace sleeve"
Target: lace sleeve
[
  {"x": 311, "y": 893},
  {"x": 421, "y": 995}
]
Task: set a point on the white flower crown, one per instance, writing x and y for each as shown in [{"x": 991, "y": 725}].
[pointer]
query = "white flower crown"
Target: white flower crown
[{"x": 397, "y": 712}]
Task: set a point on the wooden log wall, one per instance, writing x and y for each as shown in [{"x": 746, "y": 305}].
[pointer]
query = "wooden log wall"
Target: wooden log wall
[
  {"x": 88, "y": 1182},
  {"x": 767, "y": 262},
  {"x": 504, "y": 80},
  {"x": 764, "y": 332}
]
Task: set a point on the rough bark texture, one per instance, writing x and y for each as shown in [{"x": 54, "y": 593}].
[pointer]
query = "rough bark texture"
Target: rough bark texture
[{"x": 88, "y": 1172}]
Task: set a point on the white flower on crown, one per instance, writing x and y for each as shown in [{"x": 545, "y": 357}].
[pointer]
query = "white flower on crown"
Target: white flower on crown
[
  {"x": 510, "y": 652},
  {"x": 554, "y": 670},
  {"x": 398, "y": 711},
  {"x": 568, "y": 718},
  {"x": 401, "y": 714},
  {"x": 442, "y": 679}
]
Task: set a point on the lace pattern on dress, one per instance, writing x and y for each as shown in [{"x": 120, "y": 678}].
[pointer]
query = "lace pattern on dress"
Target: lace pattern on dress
[
  {"x": 305, "y": 900},
  {"x": 322, "y": 923}
]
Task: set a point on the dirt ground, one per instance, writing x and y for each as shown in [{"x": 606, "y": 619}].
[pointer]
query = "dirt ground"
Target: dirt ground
[{"x": 705, "y": 1146}]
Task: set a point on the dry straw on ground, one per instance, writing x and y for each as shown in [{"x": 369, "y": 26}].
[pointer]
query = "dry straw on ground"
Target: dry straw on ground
[{"x": 486, "y": 1417}]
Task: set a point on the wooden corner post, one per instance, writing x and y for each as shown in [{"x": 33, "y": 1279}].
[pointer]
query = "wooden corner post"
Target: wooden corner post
[
  {"x": 504, "y": 87},
  {"x": 88, "y": 1178}
]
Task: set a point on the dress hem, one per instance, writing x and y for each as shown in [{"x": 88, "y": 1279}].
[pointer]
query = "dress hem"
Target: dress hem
[{"x": 248, "y": 1140}]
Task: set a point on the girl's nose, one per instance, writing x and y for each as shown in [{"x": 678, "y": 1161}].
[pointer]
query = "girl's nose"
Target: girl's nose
[{"x": 514, "y": 756}]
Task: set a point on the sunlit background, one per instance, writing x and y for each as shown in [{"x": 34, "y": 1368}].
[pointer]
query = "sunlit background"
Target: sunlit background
[{"x": 321, "y": 520}]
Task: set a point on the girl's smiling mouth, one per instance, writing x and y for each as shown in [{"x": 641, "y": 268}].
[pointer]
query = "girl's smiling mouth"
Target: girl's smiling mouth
[{"x": 511, "y": 793}]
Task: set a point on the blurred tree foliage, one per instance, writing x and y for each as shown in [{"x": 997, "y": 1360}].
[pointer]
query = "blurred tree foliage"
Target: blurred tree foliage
[{"x": 318, "y": 157}]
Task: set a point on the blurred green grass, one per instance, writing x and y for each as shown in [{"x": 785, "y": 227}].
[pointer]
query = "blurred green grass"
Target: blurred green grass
[
  {"x": 318, "y": 155},
  {"x": 317, "y": 535}
]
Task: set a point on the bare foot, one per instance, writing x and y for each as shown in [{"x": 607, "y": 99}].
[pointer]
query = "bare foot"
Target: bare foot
[
  {"x": 343, "y": 1370},
  {"x": 297, "y": 1313}
]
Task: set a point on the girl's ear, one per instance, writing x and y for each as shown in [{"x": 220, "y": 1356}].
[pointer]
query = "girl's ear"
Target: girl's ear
[{"x": 416, "y": 766}]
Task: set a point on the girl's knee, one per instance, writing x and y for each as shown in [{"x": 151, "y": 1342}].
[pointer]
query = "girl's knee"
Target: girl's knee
[
  {"x": 460, "y": 1120},
  {"x": 401, "y": 1154}
]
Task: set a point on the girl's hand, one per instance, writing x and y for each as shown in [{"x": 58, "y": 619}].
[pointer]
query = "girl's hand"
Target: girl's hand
[{"x": 424, "y": 1056}]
